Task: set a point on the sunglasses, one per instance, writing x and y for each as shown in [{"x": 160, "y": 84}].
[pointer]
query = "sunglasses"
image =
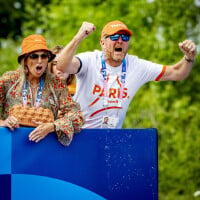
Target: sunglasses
[
  {"x": 115, "y": 37},
  {"x": 36, "y": 56},
  {"x": 54, "y": 63}
]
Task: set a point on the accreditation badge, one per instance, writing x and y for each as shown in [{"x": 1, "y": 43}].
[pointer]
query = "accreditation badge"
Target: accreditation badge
[{"x": 109, "y": 121}]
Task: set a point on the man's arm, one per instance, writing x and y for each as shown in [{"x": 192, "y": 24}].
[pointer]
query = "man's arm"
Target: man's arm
[
  {"x": 66, "y": 61},
  {"x": 182, "y": 69}
]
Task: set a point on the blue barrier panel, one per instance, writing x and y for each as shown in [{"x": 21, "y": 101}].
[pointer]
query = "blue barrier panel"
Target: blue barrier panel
[
  {"x": 99, "y": 164},
  {"x": 5, "y": 151}
]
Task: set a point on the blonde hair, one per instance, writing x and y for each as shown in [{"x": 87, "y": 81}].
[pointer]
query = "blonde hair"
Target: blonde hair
[
  {"x": 23, "y": 74},
  {"x": 57, "y": 49}
]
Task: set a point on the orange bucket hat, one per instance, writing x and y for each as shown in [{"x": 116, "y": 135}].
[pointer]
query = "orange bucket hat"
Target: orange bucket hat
[
  {"x": 34, "y": 43},
  {"x": 113, "y": 27}
]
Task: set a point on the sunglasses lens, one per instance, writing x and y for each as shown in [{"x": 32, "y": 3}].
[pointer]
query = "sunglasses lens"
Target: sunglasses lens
[
  {"x": 44, "y": 55},
  {"x": 114, "y": 37},
  {"x": 35, "y": 56},
  {"x": 125, "y": 37}
]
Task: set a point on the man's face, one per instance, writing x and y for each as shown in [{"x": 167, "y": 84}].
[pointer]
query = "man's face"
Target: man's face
[
  {"x": 105, "y": 120},
  {"x": 115, "y": 51}
]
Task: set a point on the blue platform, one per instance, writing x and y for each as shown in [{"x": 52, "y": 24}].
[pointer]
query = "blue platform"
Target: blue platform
[{"x": 99, "y": 164}]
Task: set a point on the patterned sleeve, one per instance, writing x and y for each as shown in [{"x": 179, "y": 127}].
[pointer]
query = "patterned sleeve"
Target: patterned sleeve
[
  {"x": 6, "y": 82},
  {"x": 72, "y": 120},
  {"x": 2, "y": 91}
]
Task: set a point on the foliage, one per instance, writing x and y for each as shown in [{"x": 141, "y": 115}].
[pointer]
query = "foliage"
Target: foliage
[
  {"x": 172, "y": 107},
  {"x": 11, "y": 18}
]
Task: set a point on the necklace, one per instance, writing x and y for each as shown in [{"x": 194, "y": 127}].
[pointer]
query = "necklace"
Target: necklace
[
  {"x": 34, "y": 87},
  {"x": 38, "y": 93},
  {"x": 33, "y": 92}
]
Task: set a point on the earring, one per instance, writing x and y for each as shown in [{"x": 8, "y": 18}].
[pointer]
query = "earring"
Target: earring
[{"x": 26, "y": 69}]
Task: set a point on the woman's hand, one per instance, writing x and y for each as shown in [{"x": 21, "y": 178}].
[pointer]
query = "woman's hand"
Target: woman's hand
[
  {"x": 11, "y": 122},
  {"x": 41, "y": 131}
]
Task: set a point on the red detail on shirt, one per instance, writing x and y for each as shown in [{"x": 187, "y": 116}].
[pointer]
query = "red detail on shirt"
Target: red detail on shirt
[
  {"x": 118, "y": 81},
  {"x": 161, "y": 74},
  {"x": 94, "y": 102},
  {"x": 98, "y": 111}
]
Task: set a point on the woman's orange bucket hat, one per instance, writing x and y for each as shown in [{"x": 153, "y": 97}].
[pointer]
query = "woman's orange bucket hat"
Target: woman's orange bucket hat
[{"x": 34, "y": 43}]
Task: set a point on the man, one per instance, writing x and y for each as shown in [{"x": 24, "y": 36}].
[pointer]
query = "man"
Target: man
[
  {"x": 107, "y": 80},
  {"x": 105, "y": 122}
]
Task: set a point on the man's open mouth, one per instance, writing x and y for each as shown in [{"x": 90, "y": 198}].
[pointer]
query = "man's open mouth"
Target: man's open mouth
[{"x": 118, "y": 49}]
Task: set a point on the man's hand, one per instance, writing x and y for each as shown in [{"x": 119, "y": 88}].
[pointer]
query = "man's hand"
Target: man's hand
[
  {"x": 85, "y": 29},
  {"x": 66, "y": 61},
  {"x": 189, "y": 48}
]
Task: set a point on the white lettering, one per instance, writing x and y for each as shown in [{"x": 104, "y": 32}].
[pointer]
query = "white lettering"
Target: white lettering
[{"x": 115, "y": 25}]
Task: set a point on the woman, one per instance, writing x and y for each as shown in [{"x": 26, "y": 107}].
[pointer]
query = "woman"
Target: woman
[
  {"x": 34, "y": 86},
  {"x": 68, "y": 78}
]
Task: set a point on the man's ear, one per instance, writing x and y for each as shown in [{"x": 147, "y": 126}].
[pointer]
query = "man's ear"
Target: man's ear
[{"x": 101, "y": 41}]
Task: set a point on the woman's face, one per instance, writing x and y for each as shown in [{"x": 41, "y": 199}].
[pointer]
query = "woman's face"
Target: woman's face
[
  {"x": 63, "y": 76},
  {"x": 37, "y": 63}
]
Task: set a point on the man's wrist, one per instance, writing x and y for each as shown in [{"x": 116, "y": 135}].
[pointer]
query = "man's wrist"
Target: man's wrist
[{"x": 188, "y": 59}]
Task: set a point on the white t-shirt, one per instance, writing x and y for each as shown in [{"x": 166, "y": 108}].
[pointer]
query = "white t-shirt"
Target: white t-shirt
[{"x": 89, "y": 90}]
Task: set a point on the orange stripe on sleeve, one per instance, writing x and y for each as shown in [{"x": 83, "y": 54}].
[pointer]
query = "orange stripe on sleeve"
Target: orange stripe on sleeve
[{"x": 161, "y": 74}]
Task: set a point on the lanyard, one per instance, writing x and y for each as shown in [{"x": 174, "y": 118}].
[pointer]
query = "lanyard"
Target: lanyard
[
  {"x": 39, "y": 96},
  {"x": 123, "y": 78}
]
